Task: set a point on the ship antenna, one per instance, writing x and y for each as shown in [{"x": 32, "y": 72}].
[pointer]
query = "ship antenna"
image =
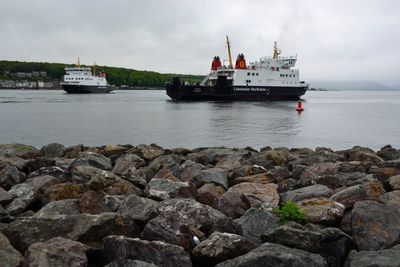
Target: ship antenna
[
  {"x": 229, "y": 52},
  {"x": 79, "y": 64},
  {"x": 94, "y": 68}
]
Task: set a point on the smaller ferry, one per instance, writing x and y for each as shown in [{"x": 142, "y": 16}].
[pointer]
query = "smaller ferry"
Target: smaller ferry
[
  {"x": 270, "y": 78},
  {"x": 80, "y": 80}
]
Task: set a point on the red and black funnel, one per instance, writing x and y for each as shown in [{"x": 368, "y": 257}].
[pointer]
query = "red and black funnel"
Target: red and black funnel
[
  {"x": 216, "y": 63},
  {"x": 240, "y": 62}
]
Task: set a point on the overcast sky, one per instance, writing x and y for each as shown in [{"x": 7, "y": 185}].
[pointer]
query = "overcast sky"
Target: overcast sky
[{"x": 334, "y": 40}]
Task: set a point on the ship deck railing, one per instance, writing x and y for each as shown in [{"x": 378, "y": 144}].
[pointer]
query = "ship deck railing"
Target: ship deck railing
[{"x": 77, "y": 69}]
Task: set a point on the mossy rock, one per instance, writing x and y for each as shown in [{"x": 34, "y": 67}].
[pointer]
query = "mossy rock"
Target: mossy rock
[{"x": 19, "y": 150}]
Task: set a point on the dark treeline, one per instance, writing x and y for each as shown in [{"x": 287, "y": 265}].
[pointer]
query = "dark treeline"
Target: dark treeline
[{"x": 115, "y": 76}]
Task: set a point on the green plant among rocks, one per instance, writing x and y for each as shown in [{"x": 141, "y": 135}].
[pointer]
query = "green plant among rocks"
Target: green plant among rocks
[{"x": 290, "y": 211}]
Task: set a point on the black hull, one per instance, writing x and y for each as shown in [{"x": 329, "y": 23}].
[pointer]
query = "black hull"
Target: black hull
[
  {"x": 180, "y": 92},
  {"x": 84, "y": 89}
]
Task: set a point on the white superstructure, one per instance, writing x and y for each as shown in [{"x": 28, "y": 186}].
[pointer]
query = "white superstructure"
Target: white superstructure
[
  {"x": 275, "y": 71},
  {"x": 82, "y": 76}
]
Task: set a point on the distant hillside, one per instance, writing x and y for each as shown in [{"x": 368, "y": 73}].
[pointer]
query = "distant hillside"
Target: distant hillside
[
  {"x": 350, "y": 85},
  {"x": 115, "y": 76}
]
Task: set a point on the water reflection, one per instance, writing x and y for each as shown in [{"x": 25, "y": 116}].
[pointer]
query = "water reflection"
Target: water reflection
[{"x": 333, "y": 119}]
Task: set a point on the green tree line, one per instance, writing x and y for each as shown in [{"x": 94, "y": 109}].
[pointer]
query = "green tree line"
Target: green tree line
[{"x": 115, "y": 76}]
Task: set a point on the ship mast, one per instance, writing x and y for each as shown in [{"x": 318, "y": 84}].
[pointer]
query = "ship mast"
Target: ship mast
[
  {"x": 229, "y": 52},
  {"x": 79, "y": 64},
  {"x": 94, "y": 68},
  {"x": 277, "y": 52}
]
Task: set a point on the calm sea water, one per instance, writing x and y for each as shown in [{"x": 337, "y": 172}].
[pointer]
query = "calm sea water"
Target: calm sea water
[{"x": 336, "y": 119}]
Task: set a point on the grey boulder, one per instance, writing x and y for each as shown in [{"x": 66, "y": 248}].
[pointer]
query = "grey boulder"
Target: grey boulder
[
  {"x": 232, "y": 204},
  {"x": 129, "y": 263},
  {"x": 219, "y": 247},
  {"x": 57, "y": 251},
  {"x": 92, "y": 159},
  {"x": 59, "y": 207},
  {"x": 126, "y": 162},
  {"x": 162, "y": 189},
  {"x": 156, "y": 252},
  {"x": 275, "y": 255},
  {"x": 307, "y": 192},
  {"x": 256, "y": 222},
  {"x": 138, "y": 209},
  {"x": 53, "y": 150},
  {"x": 9, "y": 256},
  {"x": 381, "y": 258},
  {"x": 331, "y": 243},
  {"x": 375, "y": 225},
  {"x": 85, "y": 228},
  {"x": 19, "y": 150},
  {"x": 179, "y": 220},
  {"x": 27, "y": 193},
  {"x": 372, "y": 190},
  {"x": 214, "y": 175},
  {"x": 10, "y": 176}
]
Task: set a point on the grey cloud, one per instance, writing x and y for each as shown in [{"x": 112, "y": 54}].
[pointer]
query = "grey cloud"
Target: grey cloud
[{"x": 334, "y": 40}]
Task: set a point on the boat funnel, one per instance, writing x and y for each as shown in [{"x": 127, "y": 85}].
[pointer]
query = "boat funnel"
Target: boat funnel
[
  {"x": 240, "y": 62},
  {"x": 216, "y": 63}
]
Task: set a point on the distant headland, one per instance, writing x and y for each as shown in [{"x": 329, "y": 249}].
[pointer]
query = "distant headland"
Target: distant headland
[{"x": 349, "y": 85}]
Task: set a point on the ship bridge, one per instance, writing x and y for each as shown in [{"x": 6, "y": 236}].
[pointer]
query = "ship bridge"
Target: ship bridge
[
  {"x": 78, "y": 71},
  {"x": 276, "y": 63}
]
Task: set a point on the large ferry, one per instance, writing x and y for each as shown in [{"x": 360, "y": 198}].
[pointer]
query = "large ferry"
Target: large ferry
[
  {"x": 270, "y": 78},
  {"x": 80, "y": 80}
]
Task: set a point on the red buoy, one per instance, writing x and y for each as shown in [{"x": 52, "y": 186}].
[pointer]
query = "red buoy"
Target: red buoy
[{"x": 299, "y": 106}]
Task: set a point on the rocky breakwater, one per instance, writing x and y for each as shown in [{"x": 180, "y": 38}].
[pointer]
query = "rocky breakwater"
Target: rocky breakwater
[{"x": 123, "y": 205}]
